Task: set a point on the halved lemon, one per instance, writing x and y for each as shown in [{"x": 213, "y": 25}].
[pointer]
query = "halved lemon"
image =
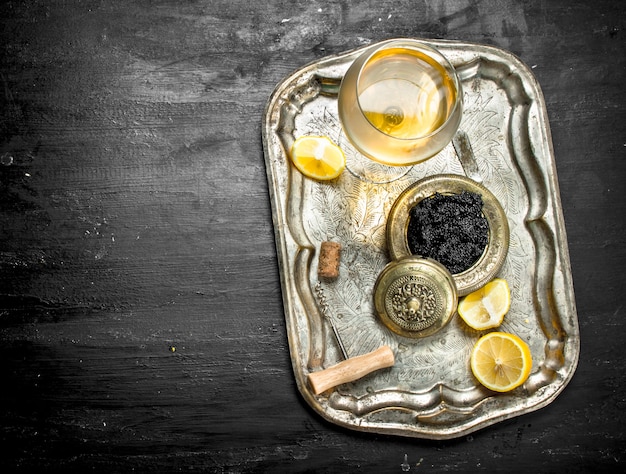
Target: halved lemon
[
  {"x": 318, "y": 157},
  {"x": 485, "y": 308},
  {"x": 501, "y": 361}
]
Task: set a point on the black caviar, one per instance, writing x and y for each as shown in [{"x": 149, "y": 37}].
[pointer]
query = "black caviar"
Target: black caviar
[{"x": 450, "y": 229}]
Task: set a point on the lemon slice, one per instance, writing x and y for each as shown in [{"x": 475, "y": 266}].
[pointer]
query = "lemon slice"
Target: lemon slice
[
  {"x": 317, "y": 157},
  {"x": 501, "y": 361},
  {"x": 485, "y": 308}
]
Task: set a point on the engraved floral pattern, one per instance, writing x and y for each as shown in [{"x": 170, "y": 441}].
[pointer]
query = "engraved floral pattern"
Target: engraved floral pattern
[{"x": 413, "y": 302}]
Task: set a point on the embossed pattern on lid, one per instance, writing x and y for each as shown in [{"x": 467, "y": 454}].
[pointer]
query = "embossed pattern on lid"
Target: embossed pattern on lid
[{"x": 415, "y": 296}]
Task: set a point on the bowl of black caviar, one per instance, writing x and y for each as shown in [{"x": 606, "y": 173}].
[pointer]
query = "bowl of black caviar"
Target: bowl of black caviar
[{"x": 454, "y": 220}]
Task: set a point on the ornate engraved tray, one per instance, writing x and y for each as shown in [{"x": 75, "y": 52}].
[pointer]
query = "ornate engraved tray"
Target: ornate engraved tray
[{"x": 430, "y": 391}]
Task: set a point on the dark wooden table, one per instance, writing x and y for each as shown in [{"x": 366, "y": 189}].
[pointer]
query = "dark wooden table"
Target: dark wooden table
[{"x": 141, "y": 320}]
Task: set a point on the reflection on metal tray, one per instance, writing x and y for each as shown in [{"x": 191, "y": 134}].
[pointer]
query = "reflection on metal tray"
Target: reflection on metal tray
[{"x": 429, "y": 392}]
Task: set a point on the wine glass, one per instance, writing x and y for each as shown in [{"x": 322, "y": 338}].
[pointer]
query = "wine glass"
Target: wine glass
[{"x": 400, "y": 102}]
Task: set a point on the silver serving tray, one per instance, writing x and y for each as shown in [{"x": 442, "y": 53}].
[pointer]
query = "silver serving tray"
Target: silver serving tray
[{"x": 430, "y": 391}]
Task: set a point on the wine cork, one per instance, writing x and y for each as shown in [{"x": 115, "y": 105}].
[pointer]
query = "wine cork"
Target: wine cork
[{"x": 328, "y": 265}]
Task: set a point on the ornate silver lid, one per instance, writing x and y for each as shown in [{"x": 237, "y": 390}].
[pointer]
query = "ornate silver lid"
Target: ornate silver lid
[{"x": 415, "y": 296}]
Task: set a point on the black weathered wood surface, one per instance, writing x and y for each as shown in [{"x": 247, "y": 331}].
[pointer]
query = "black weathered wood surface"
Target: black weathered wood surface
[{"x": 141, "y": 323}]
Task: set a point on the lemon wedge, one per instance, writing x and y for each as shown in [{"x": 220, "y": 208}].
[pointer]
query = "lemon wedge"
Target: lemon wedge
[
  {"x": 485, "y": 308},
  {"x": 317, "y": 157}
]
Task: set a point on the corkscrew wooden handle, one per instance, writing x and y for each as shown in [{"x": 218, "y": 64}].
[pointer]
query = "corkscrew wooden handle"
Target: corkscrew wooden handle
[{"x": 351, "y": 369}]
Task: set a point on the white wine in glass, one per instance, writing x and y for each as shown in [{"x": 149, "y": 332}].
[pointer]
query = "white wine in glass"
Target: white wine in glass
[{"x": 400, "y": 102}]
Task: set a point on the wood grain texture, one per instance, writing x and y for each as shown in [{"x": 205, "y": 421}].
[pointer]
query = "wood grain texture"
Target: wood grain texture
[{"x": 141, "y": 322}]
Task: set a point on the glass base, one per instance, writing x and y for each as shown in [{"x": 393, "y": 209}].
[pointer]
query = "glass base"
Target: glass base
[{"x": 367, "y": 170}]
